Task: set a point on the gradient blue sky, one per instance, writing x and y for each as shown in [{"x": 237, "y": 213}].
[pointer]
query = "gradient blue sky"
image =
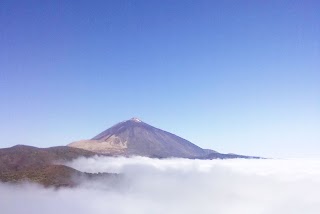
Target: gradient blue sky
[{"x": 234, "y": 76}]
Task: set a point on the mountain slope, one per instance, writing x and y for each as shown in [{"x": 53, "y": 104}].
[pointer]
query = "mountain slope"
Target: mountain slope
[
  {"x": 40, "y": 165},
  {"x": 134, "y": 137},
  {"x": 20, "y": 157}
]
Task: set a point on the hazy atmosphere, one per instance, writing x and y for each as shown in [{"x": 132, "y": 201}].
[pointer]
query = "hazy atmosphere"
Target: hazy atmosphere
[{"x": 234, "y": 76}]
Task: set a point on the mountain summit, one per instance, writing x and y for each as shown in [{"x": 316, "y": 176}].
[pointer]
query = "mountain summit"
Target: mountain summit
[{"x": 134, "y": 137}]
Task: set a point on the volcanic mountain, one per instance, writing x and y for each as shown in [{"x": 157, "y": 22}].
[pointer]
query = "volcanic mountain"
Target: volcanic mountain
[
  {"x": 128, "y": 138},
  {"x": 134, "y": 137}
]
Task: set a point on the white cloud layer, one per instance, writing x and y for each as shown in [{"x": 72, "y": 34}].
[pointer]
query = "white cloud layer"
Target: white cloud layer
[{"x": 175, "y": 186}]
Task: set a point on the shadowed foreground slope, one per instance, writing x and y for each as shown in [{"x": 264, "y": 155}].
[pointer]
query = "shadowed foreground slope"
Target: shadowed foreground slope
[{"x": 41, "y": 165}]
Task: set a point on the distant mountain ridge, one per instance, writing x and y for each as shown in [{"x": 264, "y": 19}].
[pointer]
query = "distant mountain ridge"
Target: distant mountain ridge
[
  {"x": 129, "y": 138},
  {"x": 135, "y": 137}
]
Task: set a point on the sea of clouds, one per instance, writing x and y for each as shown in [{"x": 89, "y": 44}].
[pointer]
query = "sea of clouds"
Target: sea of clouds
[{"x": 174, "y": 186}]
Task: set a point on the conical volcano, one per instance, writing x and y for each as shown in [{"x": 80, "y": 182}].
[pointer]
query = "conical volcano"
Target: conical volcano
[{"x": 134, "y": 137}]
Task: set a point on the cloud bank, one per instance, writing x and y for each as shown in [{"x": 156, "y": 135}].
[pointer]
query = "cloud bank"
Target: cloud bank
[{"x": 175, "y": 186}]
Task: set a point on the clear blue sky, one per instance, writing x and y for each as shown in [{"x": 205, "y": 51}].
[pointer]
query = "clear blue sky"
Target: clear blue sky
[{"x": 235, "y": 76}]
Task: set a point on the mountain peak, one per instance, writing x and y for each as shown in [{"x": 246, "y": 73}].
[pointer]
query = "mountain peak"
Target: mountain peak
[
  {"x": 134, "y": 137},
  {"x": 135, "y": 119}
]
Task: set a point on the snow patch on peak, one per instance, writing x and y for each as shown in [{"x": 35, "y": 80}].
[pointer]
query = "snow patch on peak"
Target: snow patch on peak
[{"x": 136, "y": 120}]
